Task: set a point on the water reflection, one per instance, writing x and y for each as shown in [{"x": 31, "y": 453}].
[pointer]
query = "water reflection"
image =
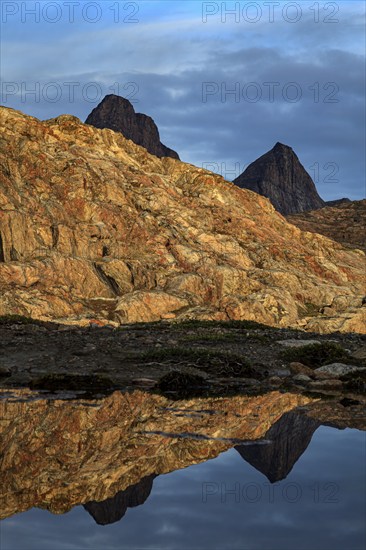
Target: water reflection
[
  {"x": 290, "y": 437},
  {"x": 113, "y": 509},
  {"x": 110, "y": 456},
  {"x": 274, "y": 457}
]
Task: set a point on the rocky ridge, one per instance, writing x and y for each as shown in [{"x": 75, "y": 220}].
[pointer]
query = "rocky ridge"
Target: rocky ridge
[
  {"x": 94, "y": 227},
  {"x": 344, "y": 223},
  {"x": 337, "y": 202},
  {"x": 279, "y": 176},
  {"x": 290, "y": 435}
]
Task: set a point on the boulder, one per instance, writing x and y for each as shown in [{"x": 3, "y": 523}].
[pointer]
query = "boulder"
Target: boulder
[{"x": 339, "y": 369}]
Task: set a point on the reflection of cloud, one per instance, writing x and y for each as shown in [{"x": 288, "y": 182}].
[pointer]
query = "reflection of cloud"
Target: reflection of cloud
[{"x": 168, "y": 529}]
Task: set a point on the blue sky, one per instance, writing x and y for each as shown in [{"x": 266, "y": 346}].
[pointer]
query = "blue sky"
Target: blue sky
[{"x": 295, "y": 70}]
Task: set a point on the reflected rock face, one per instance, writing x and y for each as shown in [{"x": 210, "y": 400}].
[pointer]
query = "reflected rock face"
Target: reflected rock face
[
  {"x": 113, "y": 509},
  {"x": 290, "y": 437},
  {"x": 57, "y": 454}
]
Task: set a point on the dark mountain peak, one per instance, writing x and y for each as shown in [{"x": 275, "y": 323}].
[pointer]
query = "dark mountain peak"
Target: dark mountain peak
[
  {"x": 117, "y": 113},
  {"x": 281, "y": 147},
  {"x": 280, "y": 176},
  {"x": 113, "y": 98}
]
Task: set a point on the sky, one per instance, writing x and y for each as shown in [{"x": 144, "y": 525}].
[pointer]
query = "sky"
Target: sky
[{"x": 224, "y": 81}]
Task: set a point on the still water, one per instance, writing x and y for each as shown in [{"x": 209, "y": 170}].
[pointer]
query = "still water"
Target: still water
[{"x": 302, "y": 487}]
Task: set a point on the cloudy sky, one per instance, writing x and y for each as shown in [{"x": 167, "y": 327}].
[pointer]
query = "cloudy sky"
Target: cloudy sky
[{"x": 224, "y": 81}]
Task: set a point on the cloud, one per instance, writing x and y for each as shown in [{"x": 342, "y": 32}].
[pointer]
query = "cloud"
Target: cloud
[{"x": 165, "y": 59}]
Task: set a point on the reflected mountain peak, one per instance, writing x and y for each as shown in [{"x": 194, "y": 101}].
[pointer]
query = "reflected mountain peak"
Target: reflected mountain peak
[
  {"x": 290, "y": 437},
  {"x": 113, "y": 509}
]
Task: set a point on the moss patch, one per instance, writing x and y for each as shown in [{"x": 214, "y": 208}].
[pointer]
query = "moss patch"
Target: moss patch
[
  {"x": 243, "y": 325},
  {"x": 183, "y": 384},
  {"x": 317, "y": 355},
  {"x": 72, "y": 382},
  {"x": 17, "y": 320},
  {"x": 211, "y": 361}
]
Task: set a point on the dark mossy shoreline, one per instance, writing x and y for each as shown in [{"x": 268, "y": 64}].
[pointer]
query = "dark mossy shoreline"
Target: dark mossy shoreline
[{"x": 179, "y": 359}]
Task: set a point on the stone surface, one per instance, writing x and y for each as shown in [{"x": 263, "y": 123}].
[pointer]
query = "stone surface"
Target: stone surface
[
  {"x": 118, "y": 114},
  {"x": 281, "y": 373},
  {"x": 302, "y": 378},
  {"x": 299, "y": 368},
  {"x": 93, "y": 227},
  {"x": 353, "y": 320},
  {"x": 324, "y": 384},
  {"x": 339, "y": 369},
  {"x": 297, "y": 343},
  {"x": 345, "y": 223},
  {"x": 279, "y": 176},
  {"x": 148, "y": 306},
  {"x": 359, "y": 353}
]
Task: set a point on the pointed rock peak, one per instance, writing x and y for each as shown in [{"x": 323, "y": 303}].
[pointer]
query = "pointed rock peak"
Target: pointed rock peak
[
  {"x": 280, "y": 176},
  {"x": 279, "y": 146},
  {"x": 114, "y": 97},
  {"x": 118, "y": 114},
  {"x": 112, "y": 101}
]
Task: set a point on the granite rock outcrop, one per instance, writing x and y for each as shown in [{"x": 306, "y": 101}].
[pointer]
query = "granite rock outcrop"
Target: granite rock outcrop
[{"x": 94, "y": 227}]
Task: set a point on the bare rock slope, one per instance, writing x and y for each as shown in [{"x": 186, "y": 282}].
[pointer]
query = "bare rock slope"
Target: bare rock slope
[
  {"x": 93, "y": 226},
  {"x": 344, "y": 222}
]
